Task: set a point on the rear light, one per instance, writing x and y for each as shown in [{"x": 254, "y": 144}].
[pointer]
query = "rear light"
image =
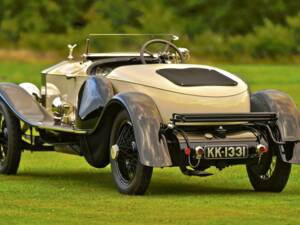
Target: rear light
[
  {"x": 261, "y": 149},
  {"x": 187, "y": 151}
]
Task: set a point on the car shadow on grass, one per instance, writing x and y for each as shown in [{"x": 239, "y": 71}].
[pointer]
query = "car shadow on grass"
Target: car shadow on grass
[
  {"x": 169, "y": 188},
  {"x": 98, "y": 179},
  {"x": 159, "y": 186}
]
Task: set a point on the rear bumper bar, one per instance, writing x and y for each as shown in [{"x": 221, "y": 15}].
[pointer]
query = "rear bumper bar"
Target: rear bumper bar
[{"x": 228, "y": 117}]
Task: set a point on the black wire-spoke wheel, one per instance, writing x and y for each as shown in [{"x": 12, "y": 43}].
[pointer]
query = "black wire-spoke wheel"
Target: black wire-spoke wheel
[
  {"x": 128, "y": 156},
  {"x": 10, "y": 141},
  {"x": 269, "y": 173},
  {"x": 3, "y": 140},
  {"x": 129, "y": 175}
]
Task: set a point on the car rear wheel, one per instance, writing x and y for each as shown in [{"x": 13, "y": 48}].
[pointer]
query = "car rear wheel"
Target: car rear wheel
[
  {"x": 270, "y": 174},
  {"x": 129, "y": 175},
  {"x": 10, "y": 141}
]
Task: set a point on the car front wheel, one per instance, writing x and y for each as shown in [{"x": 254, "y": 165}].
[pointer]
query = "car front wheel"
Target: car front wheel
[
  {"x": 10, "y": 141},
  {"x": 129, "y": 175}
]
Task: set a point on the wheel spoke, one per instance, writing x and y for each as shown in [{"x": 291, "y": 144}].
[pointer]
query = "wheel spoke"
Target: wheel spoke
[
  {"x": 128, "y": 156},
  {"x": 266, "y": 166},
  {"x": 3, "y": 152},
  {"x": 3, "y": 139},
  {"x": 1, "y": 121},
  {"x": 272, "y": 167},
  {"x": 2, "y": 155}
]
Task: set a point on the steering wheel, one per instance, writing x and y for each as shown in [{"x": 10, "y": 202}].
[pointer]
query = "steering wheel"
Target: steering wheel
[{"x": 169, "y": 54}]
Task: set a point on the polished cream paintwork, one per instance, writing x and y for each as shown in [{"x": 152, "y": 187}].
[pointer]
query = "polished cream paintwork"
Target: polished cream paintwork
[
  {"x": 171, "y": 102},
  {"x": 77, "y": 68},
  {"x": 68, "y": 76},
  {"x": 146, "y": 75},
  {"x": 171, "y": 98}
]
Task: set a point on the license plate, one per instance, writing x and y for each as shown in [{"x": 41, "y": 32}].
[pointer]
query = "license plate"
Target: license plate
[{"x": 225, "y": 152}]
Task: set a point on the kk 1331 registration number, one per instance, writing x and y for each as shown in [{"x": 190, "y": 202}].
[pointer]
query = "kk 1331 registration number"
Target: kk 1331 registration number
[{"x": 225, "y": 152}]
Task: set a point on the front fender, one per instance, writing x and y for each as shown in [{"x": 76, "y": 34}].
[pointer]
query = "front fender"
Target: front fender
[
  {"x": 93, "y": 96},
  {"x": 23, "y": 105},
  {"x": 288, "y": 117},
  {"x": 97, "y": 91}
]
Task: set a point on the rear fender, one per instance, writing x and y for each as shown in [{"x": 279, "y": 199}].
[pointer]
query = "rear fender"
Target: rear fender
[
  {"x": 146, "y": 120},
  {"x": 288, "y": 118}
]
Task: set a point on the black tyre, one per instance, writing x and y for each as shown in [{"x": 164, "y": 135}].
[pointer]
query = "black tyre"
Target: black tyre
[
  {"x": 129, "y": 175},
  {"x": 10, "y": 141},
  {"x": 270, "y": 174}
]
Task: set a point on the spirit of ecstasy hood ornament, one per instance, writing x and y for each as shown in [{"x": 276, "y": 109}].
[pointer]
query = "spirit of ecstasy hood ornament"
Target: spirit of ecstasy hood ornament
[{"x": 71, "y": 48}]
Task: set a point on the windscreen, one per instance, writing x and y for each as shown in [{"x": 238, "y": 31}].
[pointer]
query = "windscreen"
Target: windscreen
[{"x": 102, "y": 43}]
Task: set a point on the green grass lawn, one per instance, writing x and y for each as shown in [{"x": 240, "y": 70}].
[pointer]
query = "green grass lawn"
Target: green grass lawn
[{"x": 53, "y": 188}]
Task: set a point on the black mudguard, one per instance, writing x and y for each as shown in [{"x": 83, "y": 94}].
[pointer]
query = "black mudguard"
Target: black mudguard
[
  {"x": 288, "y": 118},
  {"x": 23, "y": 105},
  {"x": 93, "y": 96},
  {"x": 96, "y": 93}
]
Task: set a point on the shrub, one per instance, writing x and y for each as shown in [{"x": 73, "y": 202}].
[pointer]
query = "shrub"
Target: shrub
[
  {"x": 209, "y": 43},
  {"x": 271, "y": 40},
  {"x": 294, "y": 25}
]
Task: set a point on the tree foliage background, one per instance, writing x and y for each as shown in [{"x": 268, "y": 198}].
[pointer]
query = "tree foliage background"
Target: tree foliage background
[{"x": 228, "y": 29}]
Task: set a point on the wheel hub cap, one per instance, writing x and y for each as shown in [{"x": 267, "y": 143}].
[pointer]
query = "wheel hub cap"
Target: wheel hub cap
[{"x": 114, "y": 152}]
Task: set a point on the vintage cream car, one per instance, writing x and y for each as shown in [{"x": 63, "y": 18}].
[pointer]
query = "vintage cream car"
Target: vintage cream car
[{"x": 146, "y": 109}]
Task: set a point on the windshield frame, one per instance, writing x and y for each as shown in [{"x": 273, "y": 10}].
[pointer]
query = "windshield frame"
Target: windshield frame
[{"x": 93, "y": 36}]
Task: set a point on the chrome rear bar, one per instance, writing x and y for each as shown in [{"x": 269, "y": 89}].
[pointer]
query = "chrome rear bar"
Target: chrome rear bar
[{"x": 228, "y": 117}]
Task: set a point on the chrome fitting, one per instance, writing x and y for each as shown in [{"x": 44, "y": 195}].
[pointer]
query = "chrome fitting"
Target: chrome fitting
[{"x": 114, "y": 152}]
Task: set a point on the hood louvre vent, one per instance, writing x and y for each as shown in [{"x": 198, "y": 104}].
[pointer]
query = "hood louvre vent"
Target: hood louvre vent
[{"x": 189, "y": 77}]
